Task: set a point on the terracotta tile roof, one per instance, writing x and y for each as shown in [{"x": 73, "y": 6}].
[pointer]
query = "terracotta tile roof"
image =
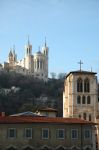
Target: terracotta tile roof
[{"x": 30, "y": 119}]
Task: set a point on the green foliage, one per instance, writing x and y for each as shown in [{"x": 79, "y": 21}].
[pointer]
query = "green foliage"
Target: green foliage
[{"x": 30, "y": 90}]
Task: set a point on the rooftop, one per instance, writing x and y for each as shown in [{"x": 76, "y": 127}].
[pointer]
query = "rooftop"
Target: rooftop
[
  {"x": 81, "y": 72},
  {"x": 30, "y": 119}
]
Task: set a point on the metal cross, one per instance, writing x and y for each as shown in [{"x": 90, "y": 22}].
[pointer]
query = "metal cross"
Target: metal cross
[{"x": 80, "y": 64}]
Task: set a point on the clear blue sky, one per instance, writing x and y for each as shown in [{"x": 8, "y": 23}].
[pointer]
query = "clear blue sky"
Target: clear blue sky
[{"x": 70, "y": 26}]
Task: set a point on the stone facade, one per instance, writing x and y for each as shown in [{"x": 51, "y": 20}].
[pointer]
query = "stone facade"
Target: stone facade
[
  {"x": 35, "y": 133},
  {"x": 80, "y": 98}
]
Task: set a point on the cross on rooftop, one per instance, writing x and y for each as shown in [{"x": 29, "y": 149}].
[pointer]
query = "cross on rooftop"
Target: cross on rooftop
[{"x": 80, "y": 64}]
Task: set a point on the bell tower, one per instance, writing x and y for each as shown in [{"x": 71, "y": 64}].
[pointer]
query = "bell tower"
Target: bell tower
[
  {"x": 28, "y": 61},
  {"x": 28, "y": 49},
  {"x": 45, "y": 49}
]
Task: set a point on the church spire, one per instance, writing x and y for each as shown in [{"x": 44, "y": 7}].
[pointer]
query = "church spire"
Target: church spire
[
  {"x": 28, "y": 40},
  {"x": 45, "y": 41},
  {"x": 14, "y": 49}
]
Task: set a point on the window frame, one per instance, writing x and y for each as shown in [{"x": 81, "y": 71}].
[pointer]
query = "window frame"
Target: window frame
[
  {"x": 74, "y": 138},
  {"x": 83, "y": 99},
  {"x": 28, "y": 137},
  {"x": 87, "y": 137},
  {"x": 87, "y": 85},
  {"x": 79, "y": 85},
  {"x": 88, "y": 100},
  {"x": 78, "y": 100},
  {"x": 58, "y": 133},
  {"x": 14, "y": 133},
  {"x": 43, "y": 136}
]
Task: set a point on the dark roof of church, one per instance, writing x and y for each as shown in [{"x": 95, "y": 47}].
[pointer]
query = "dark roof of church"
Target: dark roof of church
[{"x": 80, "y": 72}]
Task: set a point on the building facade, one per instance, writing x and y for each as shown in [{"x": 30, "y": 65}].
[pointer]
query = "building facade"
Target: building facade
[
  {"x": 35, "y": 65},
  {"x": 44, "y": 133},
  {"x": 80, "y": 96}
]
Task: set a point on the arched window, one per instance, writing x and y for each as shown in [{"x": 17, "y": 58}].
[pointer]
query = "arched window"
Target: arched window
[
  {"x": 84, "y": 116},
  {"x": 90, "y": 117},
  {"x": 29, "y": 50},
  {"x": 88, "y": 100},
  {"x": 79, "y": 85},
  {"x": 37, "y": 64},
  {"x": 78, "y": 100},
  {"x": 83, "y": 99},
  {"x": 86, "y": 85}
]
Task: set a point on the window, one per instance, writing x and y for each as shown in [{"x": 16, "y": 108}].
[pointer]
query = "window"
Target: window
[
  {"x": 29, "y": 50},
  {"x": 86, "y": 85},
  {"x": 87, "y": 134},
  {"x": 11, "y": 132},
  {"x": 83, "y": 100},
  {"x": 74, "y": 133},
  {"x": 45, "y": 133},
  {"x": 28, "y": 133},
  {"x": 90, "y": 117},
  {"x": 60, "y": 133},
  {"x": 37, "y": 64},
  {"x": 78, "y": 99},
  {"x": 88, "y": 100},
  {"x": 84, "y": 116},
  {"x": 79, "y": 85}
]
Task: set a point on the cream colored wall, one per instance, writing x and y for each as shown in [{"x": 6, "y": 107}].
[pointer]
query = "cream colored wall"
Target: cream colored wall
[
  {"x": 20, "y": 141},
  {"x": 70, "y": 96}
]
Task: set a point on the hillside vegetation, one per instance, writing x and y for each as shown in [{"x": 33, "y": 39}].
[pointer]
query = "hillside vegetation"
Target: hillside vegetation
[{"x": 31, "y": 94}]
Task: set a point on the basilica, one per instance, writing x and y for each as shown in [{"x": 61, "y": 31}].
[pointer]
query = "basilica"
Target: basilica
[{"x": 35, "y": 65}]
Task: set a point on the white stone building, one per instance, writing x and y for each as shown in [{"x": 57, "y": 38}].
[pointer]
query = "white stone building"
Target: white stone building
[{"x": 35, "y": 65}]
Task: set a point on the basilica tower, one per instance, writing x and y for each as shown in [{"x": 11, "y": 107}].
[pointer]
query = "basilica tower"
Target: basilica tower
[
  {"x": 12, "y": 58},
  {"x": 28, "y": 60},
  {"x": 45, "y": 51}
]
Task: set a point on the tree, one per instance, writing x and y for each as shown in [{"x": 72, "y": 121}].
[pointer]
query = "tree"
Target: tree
[
  {"x": 61, "y": 75},
  {"x": 53, "y": 75}
]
